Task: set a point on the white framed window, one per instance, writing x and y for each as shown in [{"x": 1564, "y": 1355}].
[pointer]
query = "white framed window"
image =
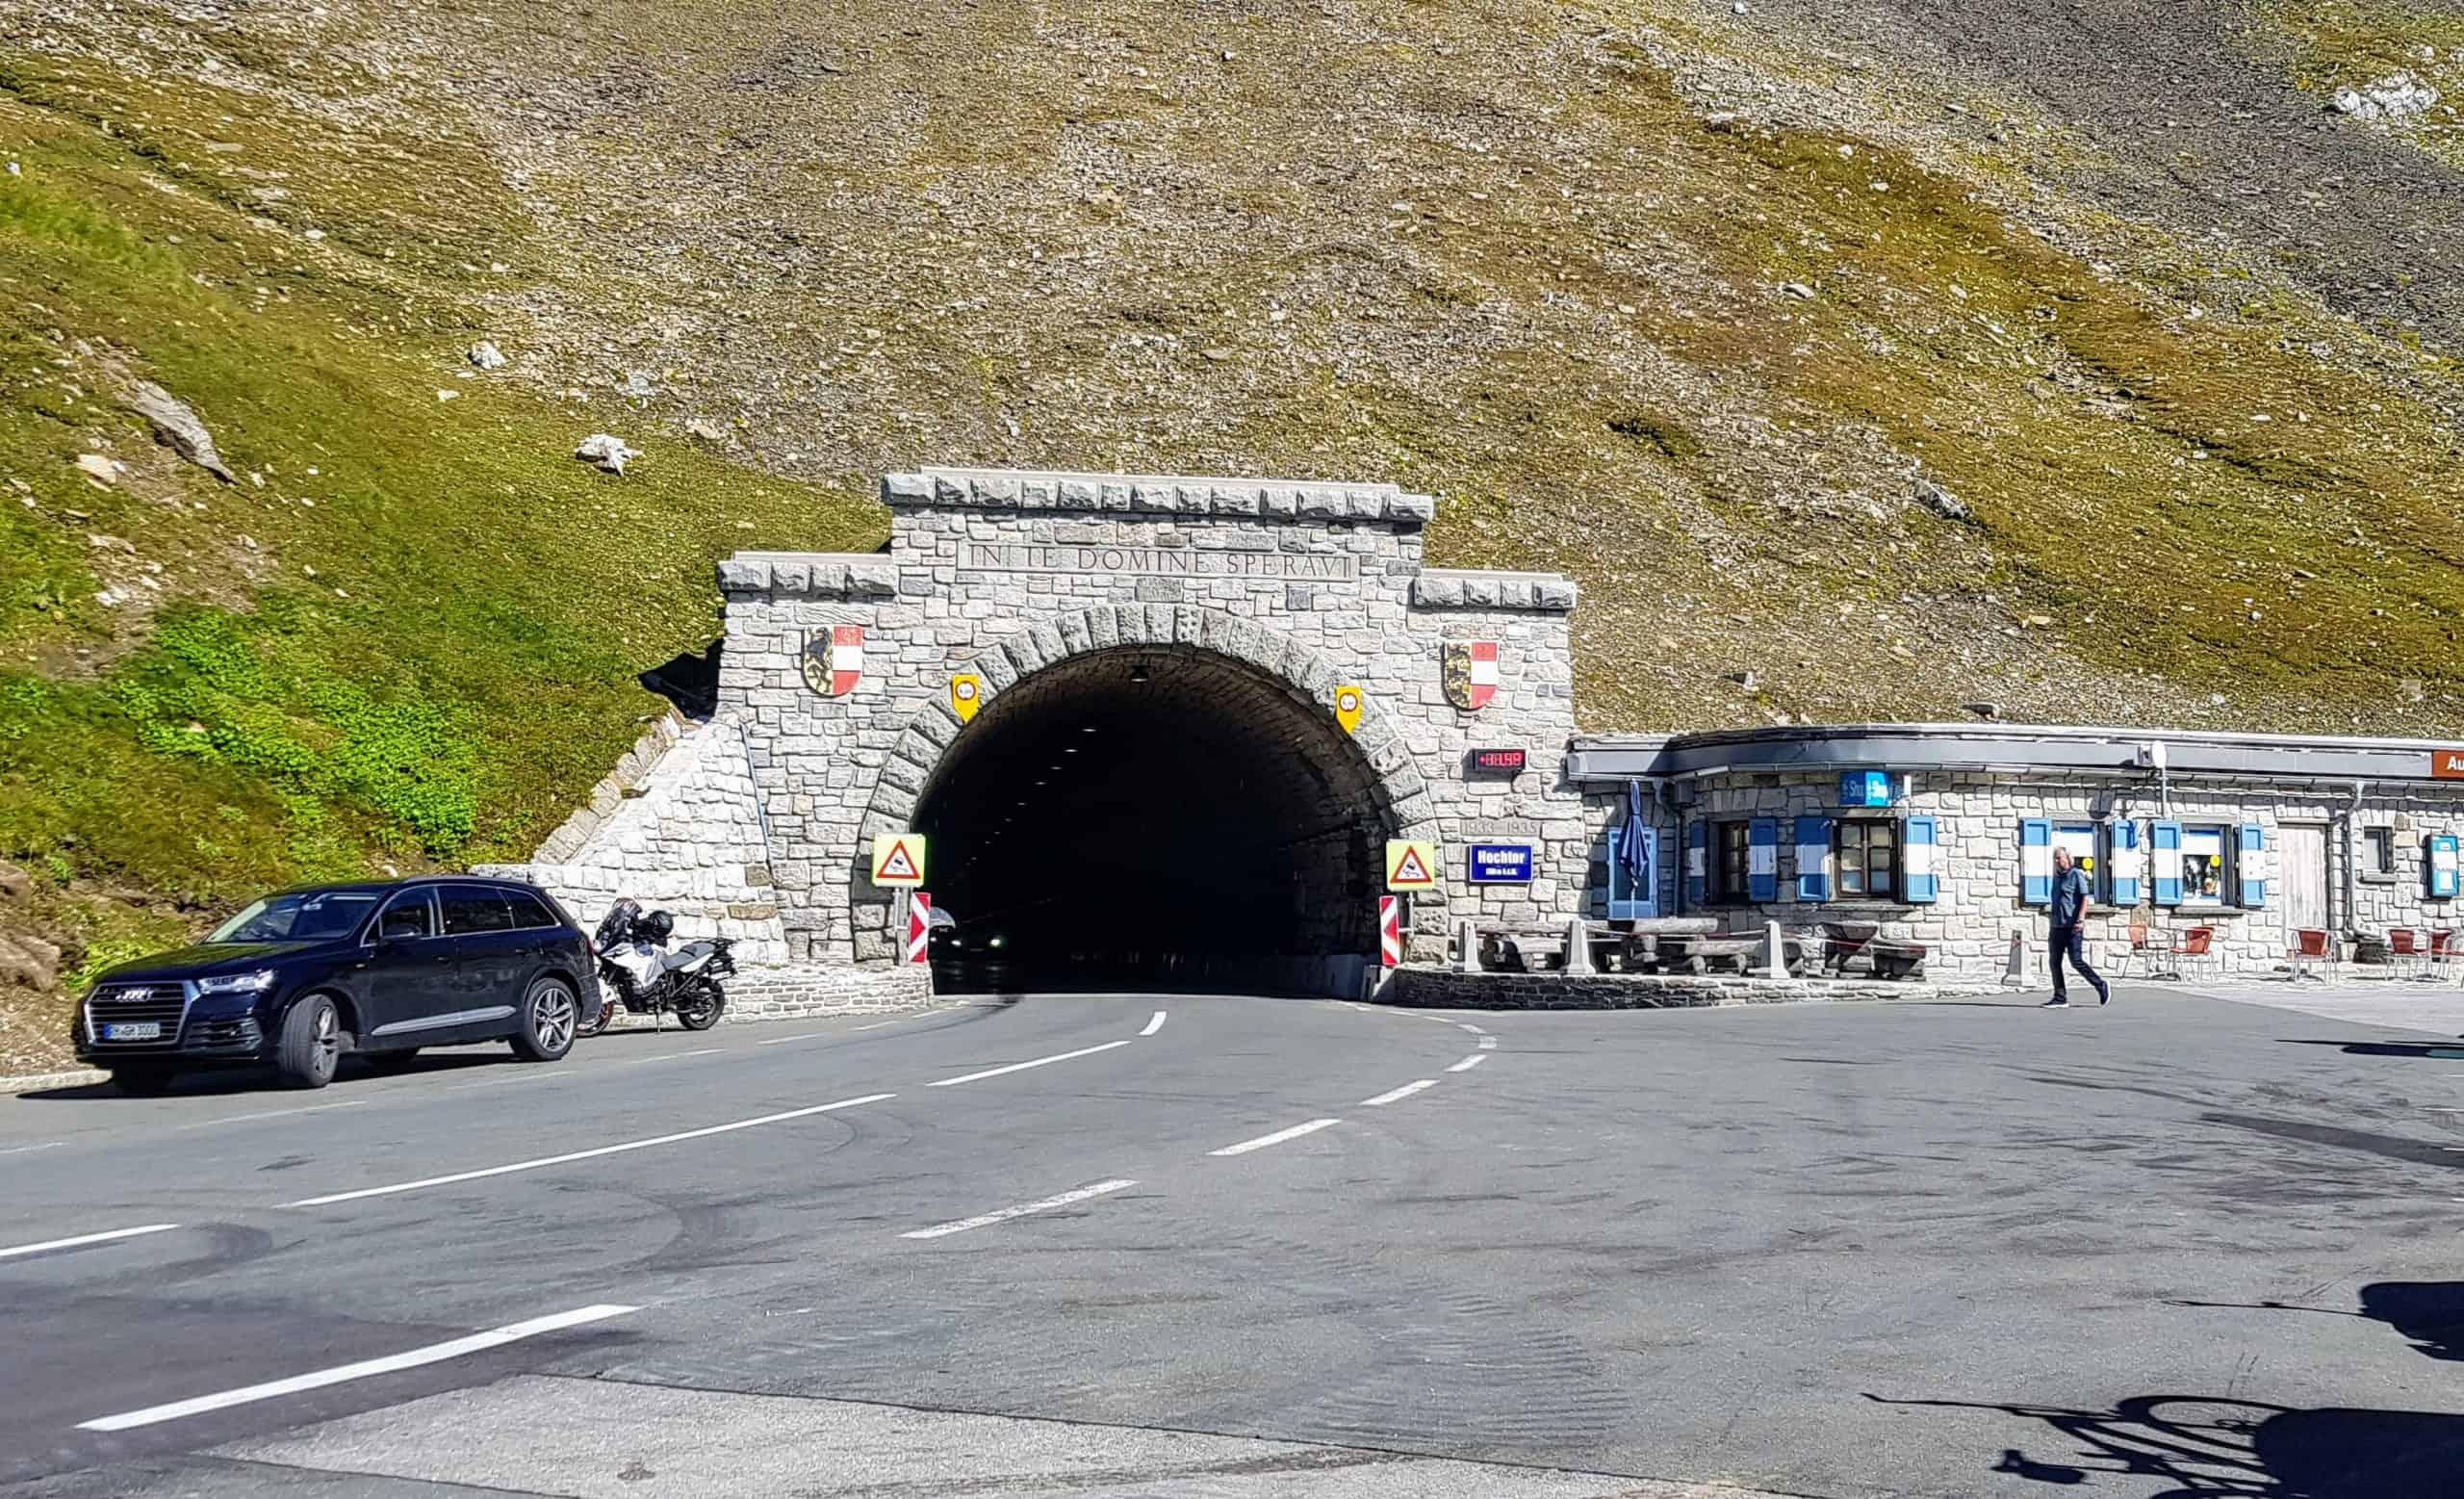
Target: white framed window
[
  {"x": 2207, "y": 871},
  {"x": 2081, "y": 838},
  {"x": 1867, "y": 852}
]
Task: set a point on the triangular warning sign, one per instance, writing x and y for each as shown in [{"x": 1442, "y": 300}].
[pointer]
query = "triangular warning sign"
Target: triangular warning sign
[
  {"x": 897, "y": 864},
  {"x": 1409, "y": 871}
]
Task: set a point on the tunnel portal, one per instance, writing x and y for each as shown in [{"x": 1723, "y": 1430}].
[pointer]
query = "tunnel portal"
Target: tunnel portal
[{"x": 1152, "y": 817}]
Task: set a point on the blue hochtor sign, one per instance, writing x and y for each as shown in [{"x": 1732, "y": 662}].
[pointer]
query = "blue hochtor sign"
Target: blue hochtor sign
[{"x": 1500, "y": 864}]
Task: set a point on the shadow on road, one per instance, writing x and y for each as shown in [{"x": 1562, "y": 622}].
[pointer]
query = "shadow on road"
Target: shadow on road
[
  {"x": 2449, "y": 1050},
  {"x": 2430, "y": 1312},
  {"x": 2213, "y": 1449}
]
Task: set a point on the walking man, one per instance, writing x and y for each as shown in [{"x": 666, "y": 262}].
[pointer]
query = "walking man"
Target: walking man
[{"x": 2069, "y": 907}]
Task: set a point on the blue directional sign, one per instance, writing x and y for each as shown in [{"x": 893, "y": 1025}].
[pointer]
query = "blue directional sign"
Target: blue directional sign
[
  {"x": 1500, "y": 864},
  {"x": 1866, "y": 789}
]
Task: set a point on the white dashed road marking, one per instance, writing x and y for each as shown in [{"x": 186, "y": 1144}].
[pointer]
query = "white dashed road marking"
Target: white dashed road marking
[
  {"x": 1468, "y": 1062},
  {"x": 1020, "y": 1067},
  {"x": 780, "y": 1041},
  {"x": 1155, "y": 1024},
  {"x": 584, "y": 1156},
  {"x": 84, "y": 1238},
  {"x": 241, "y": 1119},
  {"x": 1277, "y": 1138},
  {"x": 1399, "y": 1095},
  {"x": 434, "y": 1352},
  {"x": 1488, "y": 1042},
  {"x": 676, "y": 1056},
  {"x": 20, "y": 1149},
  {"x": 1021, "y": 1210}
]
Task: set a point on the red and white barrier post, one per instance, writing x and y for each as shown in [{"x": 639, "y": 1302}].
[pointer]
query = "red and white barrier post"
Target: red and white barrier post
[
  {"x": 919, "y": 924},
  {"x": 1390, "y": 931}
]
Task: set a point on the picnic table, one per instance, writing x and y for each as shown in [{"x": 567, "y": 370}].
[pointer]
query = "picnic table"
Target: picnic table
[
  {"x": 1852, "y": 941},
  {"x": 1701, "y": 952}
]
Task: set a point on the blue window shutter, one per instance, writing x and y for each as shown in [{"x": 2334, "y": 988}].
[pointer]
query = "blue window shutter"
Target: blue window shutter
[
  {"x": 1698, "y": 863},
  {"x": 2250, "y": 866},
  {"x": 2125, "y": 862},
  {"x": 1616, "y": 876},
  {"x": 1762, "y": 859},
  {"x": 1916, "y": 850},
  {"x": 1813, "y": 858},
  {"x": 2164, "y": 844},
  {"x": 2442, "y": 867},
  {"x": 2035, "y": 862}
]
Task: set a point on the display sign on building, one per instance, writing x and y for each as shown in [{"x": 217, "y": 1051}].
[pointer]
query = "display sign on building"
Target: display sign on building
[
  {"x": 2448, "y": 764},
  {"x": 1505, "y": 764},
  {"x": 1866, "y": 788},
  {"x": 1500, "y": 864}
]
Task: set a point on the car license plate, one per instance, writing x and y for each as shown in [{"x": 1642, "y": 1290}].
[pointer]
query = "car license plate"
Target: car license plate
[{"x": 134, "y": 1030}]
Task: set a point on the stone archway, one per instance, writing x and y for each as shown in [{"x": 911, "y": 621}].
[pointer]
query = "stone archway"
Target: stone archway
[{"x": 1268, "y": 701}]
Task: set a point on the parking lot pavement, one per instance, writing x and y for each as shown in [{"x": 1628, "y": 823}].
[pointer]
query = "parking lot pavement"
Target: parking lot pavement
[
  {"x": 1949, "y": 1248},
  {"x": 2401, "y": 1004}
]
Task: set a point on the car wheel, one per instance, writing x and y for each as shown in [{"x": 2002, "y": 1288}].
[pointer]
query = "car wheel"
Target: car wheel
[
  {"x": 143, "y": 1081},
  {"x": 312, "y": 1043},
  {"x": 548, "y": 1020},
  {"x": 700, "y": 1007},
  {"x": 390, "y": 1061}
]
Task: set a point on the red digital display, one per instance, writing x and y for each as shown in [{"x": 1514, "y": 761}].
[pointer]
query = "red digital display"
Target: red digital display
[{"x": 1504, "y": 762}]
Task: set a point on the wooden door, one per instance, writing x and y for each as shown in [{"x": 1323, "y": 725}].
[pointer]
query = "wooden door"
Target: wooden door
[{"x": 2305, "y": 875}]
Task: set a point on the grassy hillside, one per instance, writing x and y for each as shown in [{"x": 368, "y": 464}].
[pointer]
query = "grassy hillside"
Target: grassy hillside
[
  {"x": 1816, "y": 347},
  {"x": 408, "y": 633}
]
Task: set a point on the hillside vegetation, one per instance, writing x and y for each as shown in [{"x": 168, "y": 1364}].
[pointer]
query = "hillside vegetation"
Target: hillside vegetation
[{"x": 1899, "y": 353}]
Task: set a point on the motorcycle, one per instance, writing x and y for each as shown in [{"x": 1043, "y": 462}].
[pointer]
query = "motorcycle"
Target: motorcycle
[{"x": 637, "y": 970}]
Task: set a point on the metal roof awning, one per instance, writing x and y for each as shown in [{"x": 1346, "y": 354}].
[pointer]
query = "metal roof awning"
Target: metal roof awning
[{"x": 2013, "y": 749}]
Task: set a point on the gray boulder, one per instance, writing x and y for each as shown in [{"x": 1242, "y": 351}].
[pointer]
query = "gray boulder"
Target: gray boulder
[
  {"x": 605, "y": 454},
  {"x": 177, "y": 426}
]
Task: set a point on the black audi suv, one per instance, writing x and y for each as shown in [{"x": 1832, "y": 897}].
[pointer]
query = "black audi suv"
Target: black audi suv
[{"x": 302, "y": 978}]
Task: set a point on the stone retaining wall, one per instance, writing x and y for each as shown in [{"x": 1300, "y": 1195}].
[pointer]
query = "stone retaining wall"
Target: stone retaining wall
[
  {"x": 1443, "y": 989},
  {"x": 801, "y": 991}
]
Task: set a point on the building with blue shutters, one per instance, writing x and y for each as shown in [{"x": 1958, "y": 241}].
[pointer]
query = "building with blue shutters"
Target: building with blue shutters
[{"x": 1944, "y": 834}]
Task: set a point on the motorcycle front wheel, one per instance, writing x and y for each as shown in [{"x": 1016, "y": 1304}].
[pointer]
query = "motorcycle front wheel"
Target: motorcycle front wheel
[
  {"x": 699, "y": 1007},
  {"x": 593, "y": 1023}
]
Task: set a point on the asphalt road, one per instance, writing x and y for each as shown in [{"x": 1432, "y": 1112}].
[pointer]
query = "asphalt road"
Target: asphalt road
[{"x": 2176, "y": 1247}]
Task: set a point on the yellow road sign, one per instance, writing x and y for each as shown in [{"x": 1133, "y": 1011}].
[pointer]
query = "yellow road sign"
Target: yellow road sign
[
  {"x": 966, "y": 695},
  {"x": 1347, "y": 705},
  {"x": 1411, "y": 865},
  {"x": 898, "y": 859}
]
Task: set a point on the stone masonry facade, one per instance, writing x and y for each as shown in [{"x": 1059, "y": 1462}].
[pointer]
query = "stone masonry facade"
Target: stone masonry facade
[
  {"x": 1977, "y": 859},
  {"x": 1003, "y": 574}
]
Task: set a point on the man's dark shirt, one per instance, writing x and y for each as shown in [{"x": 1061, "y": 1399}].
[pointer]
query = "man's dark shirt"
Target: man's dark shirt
[{"x": 2070, "y": 898}]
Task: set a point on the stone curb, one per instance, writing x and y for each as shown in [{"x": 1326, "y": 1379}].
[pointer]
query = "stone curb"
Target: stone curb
[
  {"x": 1443, "y": 989},
  {"x": 37, "y": 1082}
]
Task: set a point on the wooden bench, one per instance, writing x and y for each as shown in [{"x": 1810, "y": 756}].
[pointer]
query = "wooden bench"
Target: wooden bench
[{"x": 1886, "y": 957}]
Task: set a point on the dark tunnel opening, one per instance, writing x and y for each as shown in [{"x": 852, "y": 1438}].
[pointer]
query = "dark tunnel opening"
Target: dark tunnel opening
[{"x": 1149, "y": 817}]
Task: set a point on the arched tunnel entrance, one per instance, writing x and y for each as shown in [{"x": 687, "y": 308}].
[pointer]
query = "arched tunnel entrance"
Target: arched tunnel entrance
[{"x": 1154, "y": 816}]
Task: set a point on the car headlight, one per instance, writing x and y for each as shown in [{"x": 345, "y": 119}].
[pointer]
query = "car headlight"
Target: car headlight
[{"x": 236, "y": 983}]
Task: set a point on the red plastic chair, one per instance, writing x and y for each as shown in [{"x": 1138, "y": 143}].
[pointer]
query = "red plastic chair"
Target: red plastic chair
[
  {"x": 2406, "y": 953},
  {"x": 2197, "y": 952},
  {"x": 2313, "y": 949},
  {"x": 2444, "y": 950}
]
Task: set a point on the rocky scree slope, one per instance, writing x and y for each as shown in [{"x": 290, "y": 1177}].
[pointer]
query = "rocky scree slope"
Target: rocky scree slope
[{"x": 1865, "y": 360}]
